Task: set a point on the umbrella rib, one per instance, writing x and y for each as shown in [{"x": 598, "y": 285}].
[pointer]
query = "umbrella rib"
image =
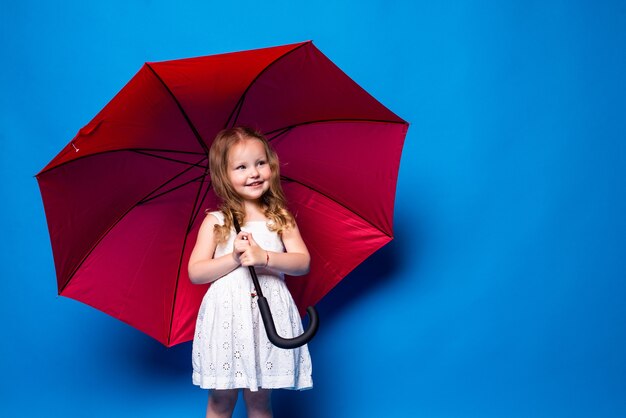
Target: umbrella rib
[
  {"x": 239, "y": 105},
  {"x": 182, "y": 111},
  {"x": 195, "y": 215},
  {"x": 148, "y": 199},
  {"x": 137, "y": 150},
  {"x": 190, "y": 167},
  {"x": 236, "y": 109},
  {"x": 277, "y": 132},
  {"x": 289, "y": 179},
  {"x": 172, "y": 159},
  {"x": 171, "y": 151},
  {"x": 285, "y": 129}
]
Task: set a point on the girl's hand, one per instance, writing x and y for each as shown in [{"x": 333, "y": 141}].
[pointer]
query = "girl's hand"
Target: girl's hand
[
  {"x": 253, "y": 254},
  {"x": 240, "y": 246}
]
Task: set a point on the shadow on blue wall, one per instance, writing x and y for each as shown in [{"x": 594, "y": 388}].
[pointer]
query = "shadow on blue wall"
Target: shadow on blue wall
[{"x": 367, "y": 278}]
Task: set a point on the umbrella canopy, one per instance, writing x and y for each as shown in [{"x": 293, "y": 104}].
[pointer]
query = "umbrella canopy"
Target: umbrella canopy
[{"x": 125, "y": 198}]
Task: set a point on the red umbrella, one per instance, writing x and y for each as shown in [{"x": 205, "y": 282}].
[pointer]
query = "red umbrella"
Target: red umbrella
[{"x": 125, "y": 198}]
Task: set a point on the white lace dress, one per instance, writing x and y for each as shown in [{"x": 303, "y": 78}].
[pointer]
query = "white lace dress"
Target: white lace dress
[{"x": 230, "y": 346}]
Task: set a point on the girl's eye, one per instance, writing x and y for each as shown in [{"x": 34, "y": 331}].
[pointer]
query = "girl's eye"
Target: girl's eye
[
  {"x": 241, "y": 167},
  {"x": 261, "y": 162}
]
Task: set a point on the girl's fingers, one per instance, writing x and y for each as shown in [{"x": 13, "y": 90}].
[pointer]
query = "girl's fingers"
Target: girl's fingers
[
  {"x": 241, "y": 242},
  {"x": 251, "y": 239},
  {"x": 252, "y": 257}
]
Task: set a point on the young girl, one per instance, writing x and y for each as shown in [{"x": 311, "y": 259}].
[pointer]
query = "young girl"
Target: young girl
[{"x": 230, "y": 347}]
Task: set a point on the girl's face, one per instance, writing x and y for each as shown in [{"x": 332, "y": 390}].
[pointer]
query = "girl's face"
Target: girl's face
[{"x": 248, "y": 169}]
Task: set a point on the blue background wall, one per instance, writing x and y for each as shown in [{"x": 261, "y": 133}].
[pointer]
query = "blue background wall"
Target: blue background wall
[{"x": 503, "y": 293}]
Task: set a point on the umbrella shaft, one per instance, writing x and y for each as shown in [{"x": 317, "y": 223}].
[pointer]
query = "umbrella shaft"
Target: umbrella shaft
[{"x": 255, "y": 280}]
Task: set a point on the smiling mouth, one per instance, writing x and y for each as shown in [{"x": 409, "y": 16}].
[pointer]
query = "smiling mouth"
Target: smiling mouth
[{"x": 256, "y": 183}]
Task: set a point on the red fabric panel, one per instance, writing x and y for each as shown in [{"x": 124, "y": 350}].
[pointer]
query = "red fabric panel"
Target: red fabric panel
[
  {"x": 188, "y": 295},
  {"x": 337, "y": 240},
  {"x": 355, "y": 164},
  {"x": 305, "y": 86},
  {"x": 85, "y": 198},
  {"x": 209, "y": 88},
  {"x": 132, "y": 272}
]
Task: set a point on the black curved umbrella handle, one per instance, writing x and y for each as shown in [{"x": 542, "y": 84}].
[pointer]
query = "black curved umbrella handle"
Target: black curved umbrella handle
[
  {"x": 268, "y": 320},
  {"x": 270, "y": 328}
]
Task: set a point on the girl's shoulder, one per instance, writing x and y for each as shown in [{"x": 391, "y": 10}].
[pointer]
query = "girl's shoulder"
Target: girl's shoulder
[{"x": 218, "y": 215}]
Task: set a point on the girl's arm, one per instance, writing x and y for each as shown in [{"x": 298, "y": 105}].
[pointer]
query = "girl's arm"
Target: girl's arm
[
  {"x": 294, "y": 262},
  {"x": 203, "y": 268}
]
